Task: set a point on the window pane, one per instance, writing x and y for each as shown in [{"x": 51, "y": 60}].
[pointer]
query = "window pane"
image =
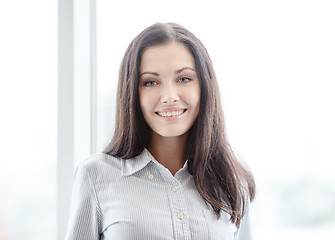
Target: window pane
[
  {"x": 274, "y": 62},
  {"x": 28, "y": 103}
]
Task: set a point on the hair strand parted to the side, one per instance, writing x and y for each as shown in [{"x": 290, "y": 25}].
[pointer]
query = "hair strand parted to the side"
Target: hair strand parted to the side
[{"x": 219, "y": 177}]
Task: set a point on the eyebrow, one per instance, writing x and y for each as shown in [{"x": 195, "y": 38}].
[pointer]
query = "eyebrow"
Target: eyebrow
[{"x": 177, "y": 72}]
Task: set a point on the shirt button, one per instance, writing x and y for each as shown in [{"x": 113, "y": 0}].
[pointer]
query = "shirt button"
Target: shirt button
[
  {"x": 180, "y": 215},
  {"x": 175, "y": 189},
  {"x": 151, "y": 176}
]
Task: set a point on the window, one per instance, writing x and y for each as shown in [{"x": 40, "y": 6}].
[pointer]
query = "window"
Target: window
[
  {"x": 274, "y": 62},
  {"x": 28, "y": 103}
]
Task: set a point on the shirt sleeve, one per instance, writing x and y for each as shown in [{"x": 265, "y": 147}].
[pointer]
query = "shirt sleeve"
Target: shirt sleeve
[
  {"x": 244, "y": 232},
  {"x": 85, "y": 213}
]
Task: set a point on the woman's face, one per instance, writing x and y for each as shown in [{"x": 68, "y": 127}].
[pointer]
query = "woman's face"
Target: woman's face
[{"x": 169, "y": 89}]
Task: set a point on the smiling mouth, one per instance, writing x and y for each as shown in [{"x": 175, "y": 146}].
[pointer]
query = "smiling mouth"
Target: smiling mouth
[{"x": 171, "y": 114}]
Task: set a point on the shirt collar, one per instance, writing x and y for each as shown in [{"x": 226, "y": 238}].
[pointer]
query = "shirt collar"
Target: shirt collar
[{"x": 133, "y": 165}]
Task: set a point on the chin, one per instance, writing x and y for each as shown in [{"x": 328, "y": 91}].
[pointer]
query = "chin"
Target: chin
[{"x": 171, "y": 133}]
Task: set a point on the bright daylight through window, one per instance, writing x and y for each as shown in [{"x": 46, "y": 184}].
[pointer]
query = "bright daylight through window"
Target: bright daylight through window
[{"x": 28, "y": 103}]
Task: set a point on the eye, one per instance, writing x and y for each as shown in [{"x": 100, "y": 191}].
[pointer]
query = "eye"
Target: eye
[
  {"x": 184, "y": 79},
  {"x": 149, "y": 83}
]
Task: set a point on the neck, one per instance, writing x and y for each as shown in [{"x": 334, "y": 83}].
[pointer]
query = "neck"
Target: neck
[{"x": 169, "y": 151}]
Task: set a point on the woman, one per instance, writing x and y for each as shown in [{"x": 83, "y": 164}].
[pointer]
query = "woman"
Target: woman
[{"x": 168, "y": 172}]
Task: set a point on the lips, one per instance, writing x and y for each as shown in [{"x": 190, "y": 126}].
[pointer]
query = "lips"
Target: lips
[{"x": 170, "y": 113}]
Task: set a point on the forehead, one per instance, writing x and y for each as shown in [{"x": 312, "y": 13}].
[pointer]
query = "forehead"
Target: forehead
[{"x": 171, "y": 56}]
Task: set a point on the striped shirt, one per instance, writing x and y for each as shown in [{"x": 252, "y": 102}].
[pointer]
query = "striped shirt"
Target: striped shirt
[{"x": 140, "y": 199}]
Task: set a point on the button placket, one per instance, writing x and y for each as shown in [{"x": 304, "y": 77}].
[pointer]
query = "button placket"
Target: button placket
[{"x": 177, "y": 204}]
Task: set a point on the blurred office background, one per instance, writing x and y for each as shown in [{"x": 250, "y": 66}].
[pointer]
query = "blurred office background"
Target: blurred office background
[{"x": 275, "y": 62}]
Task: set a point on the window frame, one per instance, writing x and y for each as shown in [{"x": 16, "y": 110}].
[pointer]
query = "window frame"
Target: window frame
[{"x": 76, "y": 97}]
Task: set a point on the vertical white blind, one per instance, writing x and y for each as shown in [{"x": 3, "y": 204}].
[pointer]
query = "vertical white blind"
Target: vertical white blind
[{"x": 275, "y": 65}]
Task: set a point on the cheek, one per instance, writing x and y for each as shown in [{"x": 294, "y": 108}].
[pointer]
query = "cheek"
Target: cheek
[
  {"x": 194, "y": 97},
  {"x": 146, "y": 102},
  {"x": 142, "y": 101}
]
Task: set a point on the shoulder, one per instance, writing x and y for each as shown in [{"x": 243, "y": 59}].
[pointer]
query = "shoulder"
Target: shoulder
[
  {"x": 99, "y": 165},
  {"x": 100, "y": 160}
]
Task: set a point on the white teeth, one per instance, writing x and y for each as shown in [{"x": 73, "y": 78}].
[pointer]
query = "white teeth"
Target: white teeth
[{"x": 170, "y": 114}]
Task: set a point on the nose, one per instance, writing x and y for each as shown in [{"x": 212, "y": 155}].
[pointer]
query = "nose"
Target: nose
[{"x": 169, "y": 94}]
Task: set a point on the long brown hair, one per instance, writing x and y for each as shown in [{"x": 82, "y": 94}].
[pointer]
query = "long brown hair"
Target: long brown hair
[{"x": 219, "y": 177}]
